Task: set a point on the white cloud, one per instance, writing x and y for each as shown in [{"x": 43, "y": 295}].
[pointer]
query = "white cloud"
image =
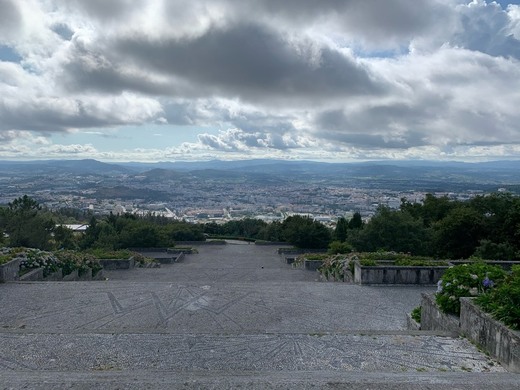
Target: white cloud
[{"x": 296, "y": 78}]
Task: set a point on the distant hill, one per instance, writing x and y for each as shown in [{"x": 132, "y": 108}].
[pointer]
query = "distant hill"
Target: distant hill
[
  {"x": 80, "y": 167},
  {"x": 412, "y": 174}
]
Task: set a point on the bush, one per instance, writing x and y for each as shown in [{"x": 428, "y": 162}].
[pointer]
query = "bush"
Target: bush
[
  {"x": 416, "y": 314},
  {"x": 70, "y": 261},
  {"x": 420, "y": 263},
  {"x": 337, "y": 247},
  {"x": 466, "y": 280},
  {"x": 35, "y": 258},
  {"x": 334, "y": 266},
  {"x": 503, "y": 302}
]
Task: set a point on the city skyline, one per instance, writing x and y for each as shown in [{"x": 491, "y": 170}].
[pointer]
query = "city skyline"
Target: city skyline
[{"x": 334, "y": 81}]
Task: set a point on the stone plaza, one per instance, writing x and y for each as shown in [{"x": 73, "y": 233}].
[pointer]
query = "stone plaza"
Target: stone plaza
[{"x": 230, "y": 316}]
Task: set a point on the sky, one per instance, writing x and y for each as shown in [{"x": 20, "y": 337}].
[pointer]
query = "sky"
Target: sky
[{"x": 328, "y": 80}]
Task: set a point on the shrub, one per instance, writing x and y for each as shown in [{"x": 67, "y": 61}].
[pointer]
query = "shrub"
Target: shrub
[
  {"x": 416, "y": 314},
  {"x": 466, "y": 280},
  {"x": 111, "y": 254},
  {"x": 338, "y": 247},
  {"x": 71, "y": 260},
  {"x": 503, "y": 302},
  {"x": 315, "y": 256},
  {"x": 334, "y": 266},
  {"x": 420, "y": 263},
  {"x": 35, "y": 258}
]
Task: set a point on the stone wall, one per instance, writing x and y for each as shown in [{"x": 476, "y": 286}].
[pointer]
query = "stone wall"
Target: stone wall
[
  {"x": 493, "y": 336},
  {"x": 432, "y": 318},
  {"x": 113, "y": 264},
  {"x": 9, "y": 271},
  {"x": 391, "y": 274}
]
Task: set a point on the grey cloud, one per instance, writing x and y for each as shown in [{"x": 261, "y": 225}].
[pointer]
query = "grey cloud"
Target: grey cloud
[
  {"x": 91, "y": 69},
  {"x": 391, "y": 126},
  {"x": 376, "y": 22},
  {"x": 252, "y": 62},
  {"x": 46, "y": 118},
  {"x": 10, "y": 19},
  {"x": 105, "y": 9},
  {"x": 48, "y": 115}
]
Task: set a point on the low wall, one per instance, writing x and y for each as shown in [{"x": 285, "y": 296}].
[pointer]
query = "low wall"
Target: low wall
[
  {"x": 290, "y": 259},
  {"x": 432, "y": 318},
  {"x": 55, "y": 276},
  {"x": 493, "y": 336},
  {"x": 148, "y": 250},
  {"x": 114, "y": 264},
  {"x": 207, "y": 242},
  {"x": 72, "y": 277},
  {"x": 33, "y": 275},
  {"x": 312, "y": 265},
  {"x": 299, "y": 251},
  {"x": 391, "y": 274},
  {"x": 9, "y": 271},
  {"x": 411, "y": 324}
]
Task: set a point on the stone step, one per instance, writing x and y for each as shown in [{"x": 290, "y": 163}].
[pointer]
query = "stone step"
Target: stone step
[
  {"x": 301, "y": 380},
  {"x": 236, "y": 353}
]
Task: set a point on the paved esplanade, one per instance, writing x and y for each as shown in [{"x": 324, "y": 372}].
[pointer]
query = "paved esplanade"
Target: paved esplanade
[{"x": 232, "y": 316}]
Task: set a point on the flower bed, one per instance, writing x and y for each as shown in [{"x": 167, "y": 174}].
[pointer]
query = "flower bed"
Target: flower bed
[
  {"x": 491, "y": 335},
  {"x": 32, "y": 275},
  {"x": 388, "y": 273},
  {"x": 481, "y": 302}
]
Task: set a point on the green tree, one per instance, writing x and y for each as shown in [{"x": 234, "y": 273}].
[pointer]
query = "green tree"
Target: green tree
[
  {"x": 393, "y": 230},
  {"x": 304, "y": 232},
  {"x": 340, "y": 233},
  {"x": 356, "y": 222},
  {"x": 458, "y": 234},
  {"x": 27, "y": 225},
  {"x": 64, "y": 238}
]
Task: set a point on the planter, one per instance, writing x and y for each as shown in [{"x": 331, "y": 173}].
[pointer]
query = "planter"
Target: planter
[
  {"x": 9, "y": 271},
  {"x": 290, "y": 259},
  {"x": 506, "y": 265},
  {"x": 72, "y": 277},
  {"x": 33, "y": 275},
  {"x": 55, "y": 276},
  {"x": 411, "y": 324},
  {"x": 117, "y": 264},
  {"x": 312, "y": 265},
  {"x": 86, "y": 275},
  {"x": 100, "y": 275},
  {"x": 432, "y": 318},
  {"x": 392, "y": 274},
  {"x": 500, "y": 342},
  {"x": 491, "y": 335}
]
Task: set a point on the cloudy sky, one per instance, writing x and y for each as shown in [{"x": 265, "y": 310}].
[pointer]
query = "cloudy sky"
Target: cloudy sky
[{"x": 328, "y": 80}]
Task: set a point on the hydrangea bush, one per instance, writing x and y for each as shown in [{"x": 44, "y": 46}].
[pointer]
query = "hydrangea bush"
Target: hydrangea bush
[
  {"x": 466, "y": 280},
  {"x": 72, "y": 260},
  {"x": 503, "y": 302}
]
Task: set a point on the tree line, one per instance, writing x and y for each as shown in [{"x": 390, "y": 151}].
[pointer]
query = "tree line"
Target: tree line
[{"x": 487, "y": 226}]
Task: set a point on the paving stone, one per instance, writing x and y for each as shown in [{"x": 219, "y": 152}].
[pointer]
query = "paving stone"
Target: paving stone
[{"x": 233, "y": 316}]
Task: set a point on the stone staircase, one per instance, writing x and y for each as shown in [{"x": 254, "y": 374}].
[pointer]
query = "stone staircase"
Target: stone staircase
[{"x": 229, "y": 317}]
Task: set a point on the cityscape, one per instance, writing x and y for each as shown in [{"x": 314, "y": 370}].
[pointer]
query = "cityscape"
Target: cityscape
[{"x": 258, "y": 190}]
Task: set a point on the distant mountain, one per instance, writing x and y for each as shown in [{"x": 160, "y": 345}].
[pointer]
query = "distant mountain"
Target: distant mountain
[
  {"x": 160, "y": 174},
  {"x": 426, "y": 175},
  {"x": 79, "y": 167}
]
